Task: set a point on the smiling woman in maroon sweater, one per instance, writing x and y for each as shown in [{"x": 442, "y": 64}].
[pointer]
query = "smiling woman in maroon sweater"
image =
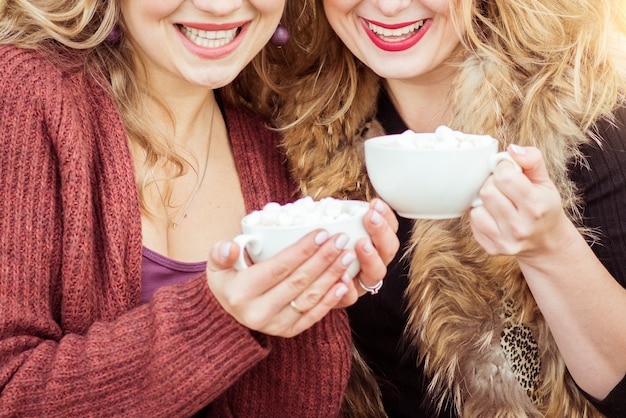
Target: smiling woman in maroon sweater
[{"x": 121, "y": 167}]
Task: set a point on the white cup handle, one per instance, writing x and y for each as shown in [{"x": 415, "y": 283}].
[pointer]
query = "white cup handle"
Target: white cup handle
[
  {"x": 503, "y": 156},
  {"x": 248, "y": 243},
  {"x": 494, "y": 161}
]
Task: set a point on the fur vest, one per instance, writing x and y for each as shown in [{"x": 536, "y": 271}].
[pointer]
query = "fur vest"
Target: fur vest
[{"x": 472, "y": 317}]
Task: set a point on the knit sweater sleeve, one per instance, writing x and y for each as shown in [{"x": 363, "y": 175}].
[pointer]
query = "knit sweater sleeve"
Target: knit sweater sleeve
[{"x": 73, "y": 339}]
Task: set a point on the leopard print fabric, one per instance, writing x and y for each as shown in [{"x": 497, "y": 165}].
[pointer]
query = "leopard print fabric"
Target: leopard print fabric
[{"x": 522, "y": 353}]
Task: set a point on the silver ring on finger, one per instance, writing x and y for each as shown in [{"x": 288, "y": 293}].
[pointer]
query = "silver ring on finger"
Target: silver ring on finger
[
  {"x": 295, "y": 307},
  {"x": 371, "y": 289}
]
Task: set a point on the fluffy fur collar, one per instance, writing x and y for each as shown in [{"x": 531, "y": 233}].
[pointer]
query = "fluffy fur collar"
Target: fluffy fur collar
[
  {"x": 479, "y": 332},
  {"x": 471, "y": 316}
]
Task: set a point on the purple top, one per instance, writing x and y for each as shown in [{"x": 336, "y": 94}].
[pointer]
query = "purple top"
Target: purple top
[{"x": 158, "y": 270}]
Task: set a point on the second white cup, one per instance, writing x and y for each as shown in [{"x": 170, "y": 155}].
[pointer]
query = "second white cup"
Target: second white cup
[
  {"x": 263, "y": 239},
  {"x": 431, "y": 182}
]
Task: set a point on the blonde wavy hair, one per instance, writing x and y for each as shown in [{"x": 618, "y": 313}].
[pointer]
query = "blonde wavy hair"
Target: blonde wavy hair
[
  {"x": 532, "y": 72},
  {"x": 82, "y": 26},
  {"x": 553, "y": 69}
]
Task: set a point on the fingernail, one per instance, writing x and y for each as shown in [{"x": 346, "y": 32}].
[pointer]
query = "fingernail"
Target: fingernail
[
  {"x": 321, "y": 237},
  {"x": 342, "y": 290},
  {"x": 347, "y": 259},
  {"x": 517, "y": 149},
  {"x": 345, "y": 277},
  {"x": 368, "y": 247},
  {"x": 379, "y": 206},
  {"x": 341, "y": 241},
  {"x": 225, "y": 249},
  {"x": 376, "y": 218}
]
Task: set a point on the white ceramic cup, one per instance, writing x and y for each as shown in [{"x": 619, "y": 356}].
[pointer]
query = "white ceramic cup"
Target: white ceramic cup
[
  {"x": 431, "y": 182},
  {"x": 263, "y": 241}
]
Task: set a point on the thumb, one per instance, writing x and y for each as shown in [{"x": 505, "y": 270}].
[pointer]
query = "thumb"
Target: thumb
[
  {"x": 532, "y": 163},
  {"x": 222, "y": 256}
]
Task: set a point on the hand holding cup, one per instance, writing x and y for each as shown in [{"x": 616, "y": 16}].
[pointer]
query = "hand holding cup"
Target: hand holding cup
[{"x": 300, "y": 283}]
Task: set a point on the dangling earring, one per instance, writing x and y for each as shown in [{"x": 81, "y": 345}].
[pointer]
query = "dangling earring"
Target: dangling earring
[
  {"x": 280, "y": 36},
  {"x": 115, "y": 35}
]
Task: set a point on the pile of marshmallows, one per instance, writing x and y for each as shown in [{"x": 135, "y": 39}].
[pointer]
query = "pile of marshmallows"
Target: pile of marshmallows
[
  {"x": 444, "y": 138},
  {"x": 305, "y": 212}
]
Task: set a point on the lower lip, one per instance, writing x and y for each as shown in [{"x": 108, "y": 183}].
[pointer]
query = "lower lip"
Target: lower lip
[
  {"x": 399, "y": 45},
  {"x": 213, "y": 53}
]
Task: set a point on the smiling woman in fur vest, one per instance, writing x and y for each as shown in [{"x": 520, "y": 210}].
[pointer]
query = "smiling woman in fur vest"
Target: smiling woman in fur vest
[{"x": 506, "y": 311}]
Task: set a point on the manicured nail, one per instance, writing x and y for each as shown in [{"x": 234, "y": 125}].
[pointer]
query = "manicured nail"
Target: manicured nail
[
  {"x": 225, "y": 249},
  {"x": 342, "y": 290},
  {"x": 379, "y": 206},
  {"x": 321, "y": 237},
  {"x": 368, "y": 247},
  {"x": 517, "y": 149},
  {"x": 376, "y": 218},
  {"x": 347, "y": 259},
  {"x": 341, "y": 241},
  {"x": 345, "y": 277}
]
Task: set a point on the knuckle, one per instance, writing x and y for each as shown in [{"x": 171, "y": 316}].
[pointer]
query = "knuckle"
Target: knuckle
[
  {"x": 520, "y": 232},
  {"x": 234, "y": 300},
  {"x": 298, "y": 280},
  {"x": 280, "y": 269},
  {"x": 328, "y": 253},
  {"x": 485, "y": 192},
  {"x": 312, "y": 298},
  {"x": 538, "y": 210},
  {"x": 304, "y": 251}
]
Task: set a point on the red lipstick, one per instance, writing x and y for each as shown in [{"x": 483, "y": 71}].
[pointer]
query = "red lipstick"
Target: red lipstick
[{"x": 403, "y": 43}]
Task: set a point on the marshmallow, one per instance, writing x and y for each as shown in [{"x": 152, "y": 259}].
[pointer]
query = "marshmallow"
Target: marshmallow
[
  {"x": 304, "y": 211},
  {"x": 443, "y": 138}
]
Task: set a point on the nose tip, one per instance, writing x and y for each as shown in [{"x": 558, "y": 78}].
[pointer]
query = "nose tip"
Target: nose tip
[
  {"x": 218, "y": 7},
  {"x": 392, "y": 7}
]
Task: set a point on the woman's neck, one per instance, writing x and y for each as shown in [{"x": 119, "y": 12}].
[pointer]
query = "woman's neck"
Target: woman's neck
[
  {"x": 424, "y": 102},
  {"x": 185, "y": 119}
]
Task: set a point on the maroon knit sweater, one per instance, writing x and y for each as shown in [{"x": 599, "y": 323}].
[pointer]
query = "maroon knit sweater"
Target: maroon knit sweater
[{"x": 74, "y": 339}]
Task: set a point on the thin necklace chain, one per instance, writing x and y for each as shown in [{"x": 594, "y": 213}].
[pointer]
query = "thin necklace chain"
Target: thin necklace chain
[{"x": 183, "y": 215}]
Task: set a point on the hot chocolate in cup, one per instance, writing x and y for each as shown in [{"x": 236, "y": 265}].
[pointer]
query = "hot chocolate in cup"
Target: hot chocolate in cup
[
  {"x": 268, "y": 231},
  {"x": 432, "y": 175}
]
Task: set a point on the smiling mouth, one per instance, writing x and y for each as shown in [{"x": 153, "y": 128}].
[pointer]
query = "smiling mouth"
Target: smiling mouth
[
  {"x": 395, "y": 34},
  {"x": 209, "y": 38}
]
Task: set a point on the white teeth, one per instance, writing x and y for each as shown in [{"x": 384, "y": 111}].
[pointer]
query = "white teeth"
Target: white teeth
[
  {"x": 209, "y": 39},
  {"x": 388, "y": 33}
]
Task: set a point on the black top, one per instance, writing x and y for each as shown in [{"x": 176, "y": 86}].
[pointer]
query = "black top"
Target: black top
[{"x": 378, "y": 321}]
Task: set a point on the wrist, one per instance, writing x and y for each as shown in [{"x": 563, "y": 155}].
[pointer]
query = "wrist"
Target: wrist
[{"x": 563, "y": 244}]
